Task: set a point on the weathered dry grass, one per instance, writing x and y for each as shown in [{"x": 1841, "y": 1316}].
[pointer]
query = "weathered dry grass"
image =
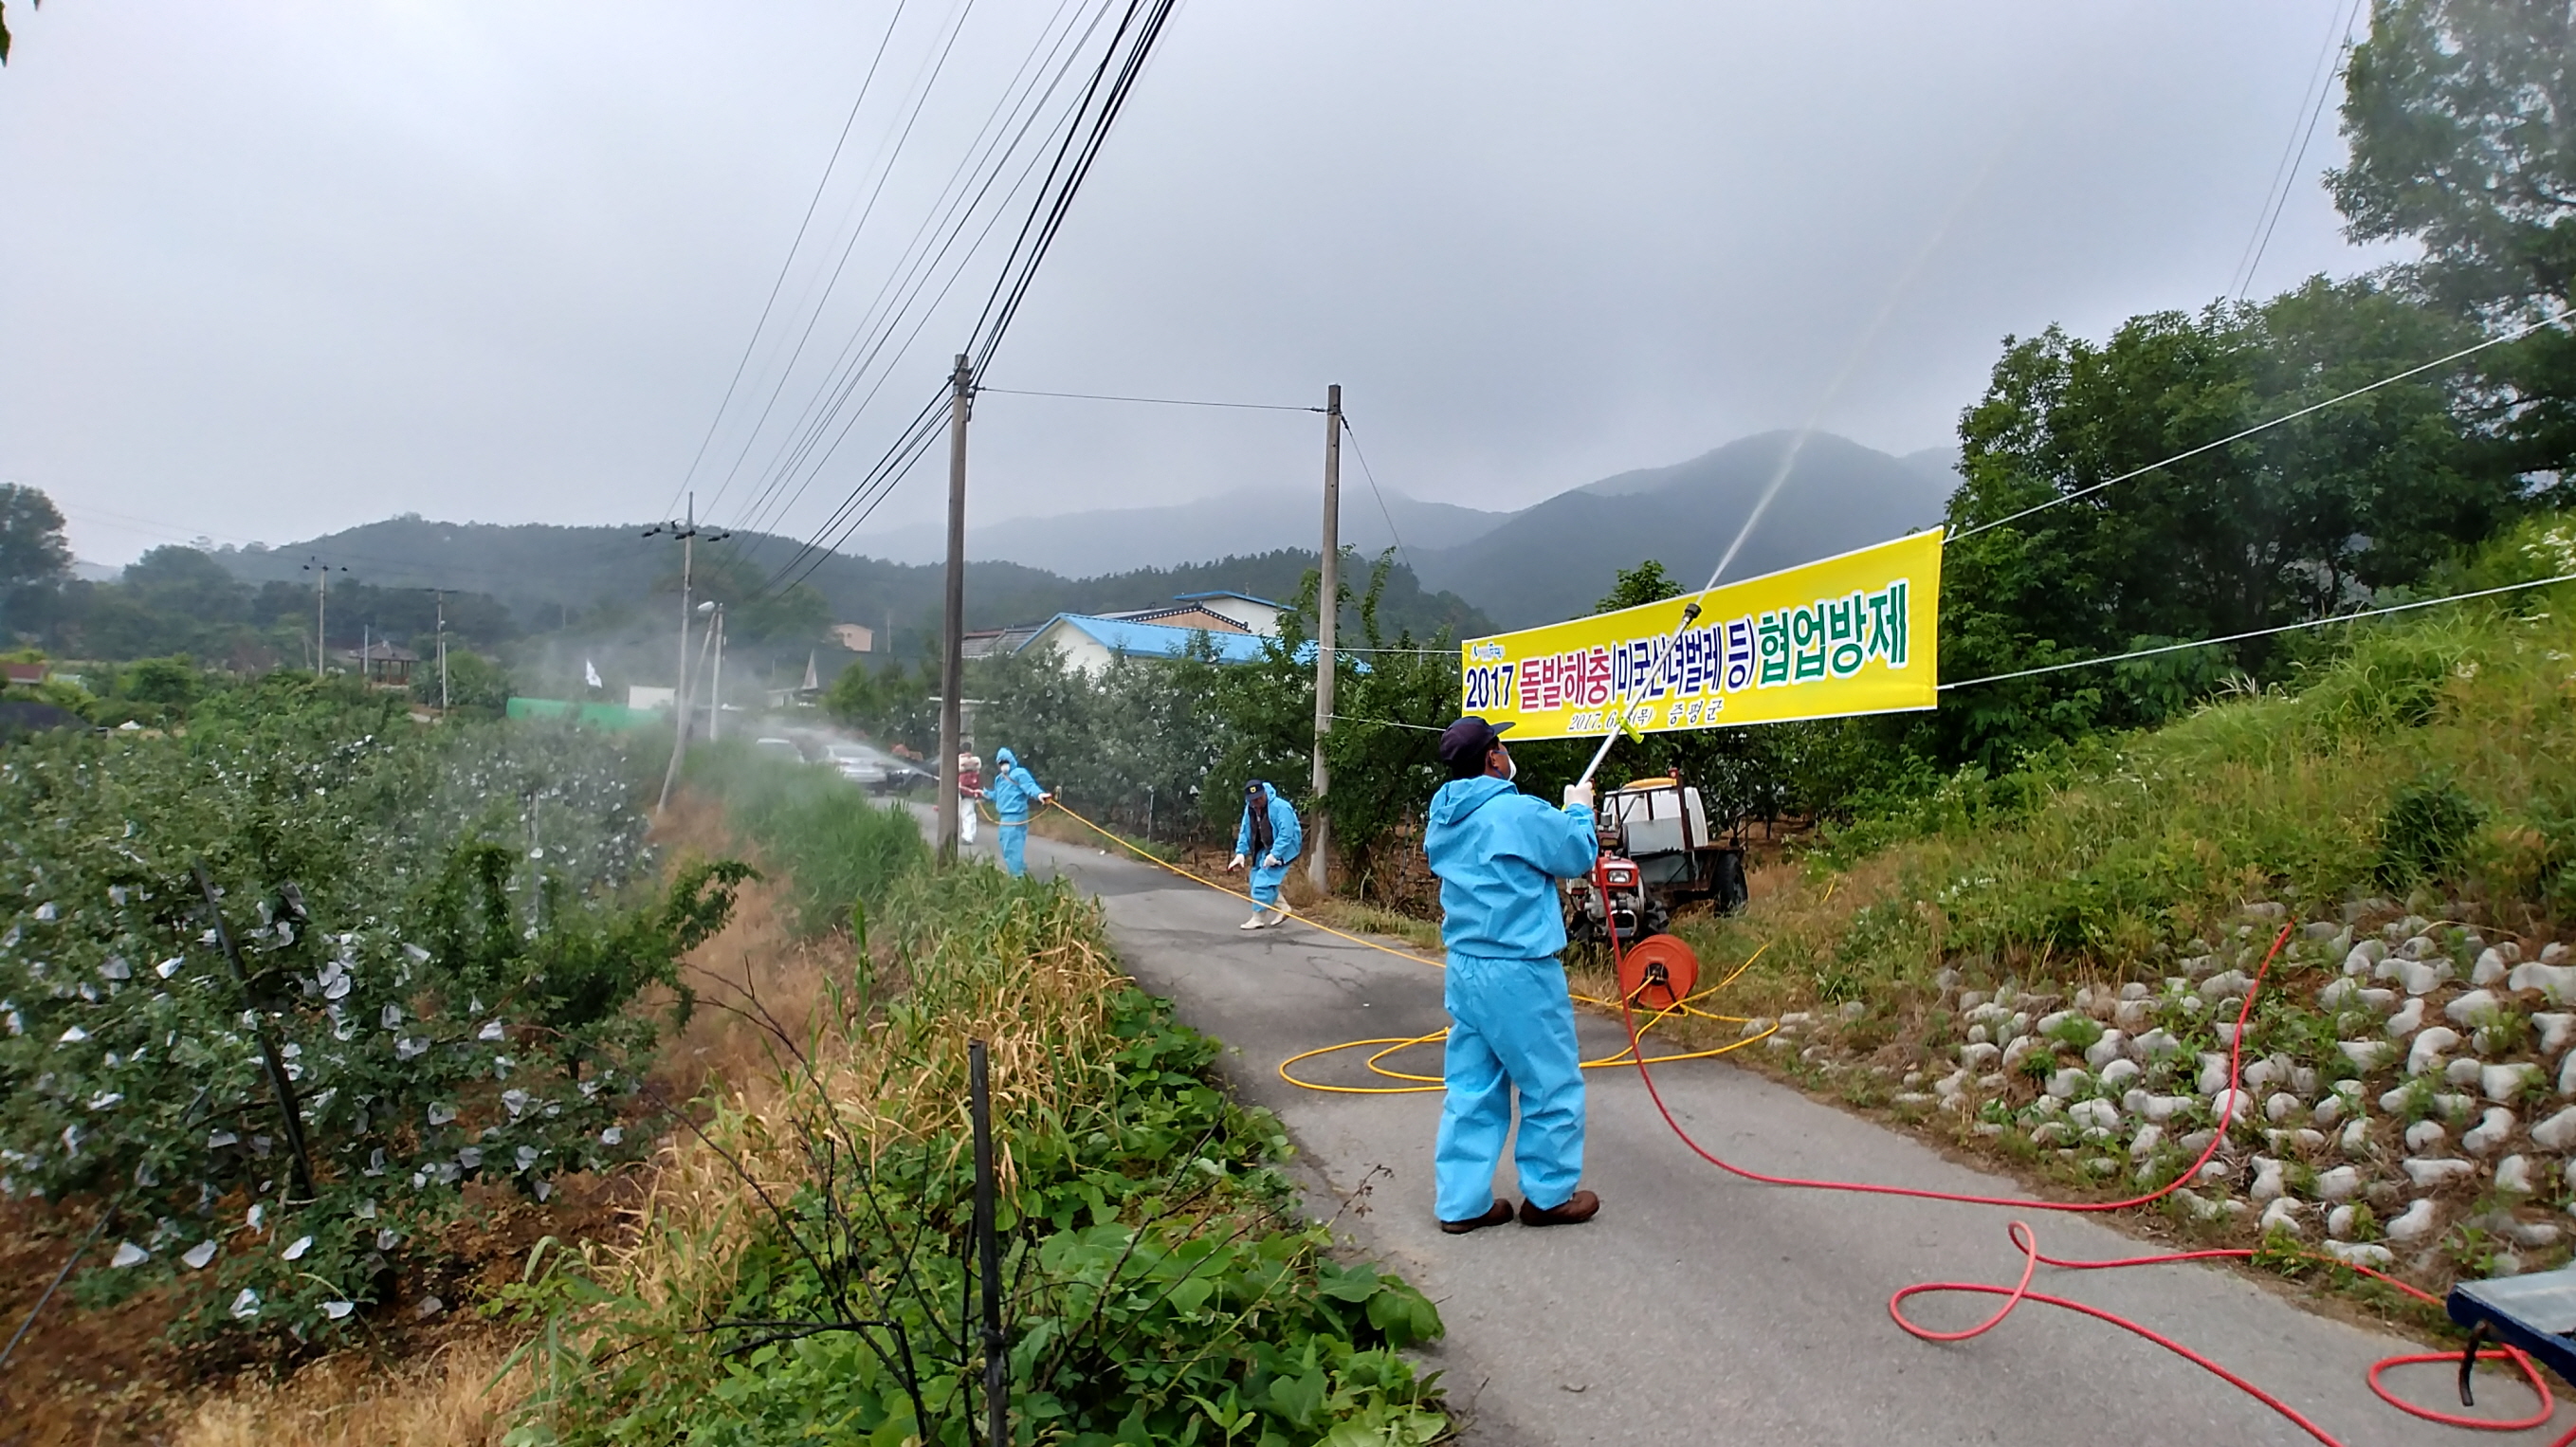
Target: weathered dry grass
[
  {"x": 448, "y": 1399},
  {"x": 869, "y": 1054}
]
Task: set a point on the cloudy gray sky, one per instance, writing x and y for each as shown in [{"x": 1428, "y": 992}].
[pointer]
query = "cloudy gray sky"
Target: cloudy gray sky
[{"x": 271, "y": 270}]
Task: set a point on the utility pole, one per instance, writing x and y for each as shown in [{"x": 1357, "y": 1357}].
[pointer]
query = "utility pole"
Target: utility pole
[
  {"x": 687, "y": 532},
  {"x": 952, "y": 634},
  {"x": 321, "y": 572},
  {"x": 442, "y": 653},
  {"x": 1328, "y": 608}
]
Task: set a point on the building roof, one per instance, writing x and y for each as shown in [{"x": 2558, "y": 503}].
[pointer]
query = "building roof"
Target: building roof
[
  {"x": 383, "y": 652},
  {"x": 1186, "y": 615},
  {"x": 1131, "y": 639},
  {"x": 1224, "y": 593}
]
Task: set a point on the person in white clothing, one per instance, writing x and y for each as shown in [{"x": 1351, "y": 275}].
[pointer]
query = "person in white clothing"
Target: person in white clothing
[{"x": 970, "y": 788}]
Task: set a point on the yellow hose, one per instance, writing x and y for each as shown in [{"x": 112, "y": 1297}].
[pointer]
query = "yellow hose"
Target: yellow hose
[{"x": 1394, "y": 1044}]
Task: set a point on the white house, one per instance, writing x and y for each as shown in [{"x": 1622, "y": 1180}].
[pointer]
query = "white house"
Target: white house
[
  {"x": 1254, "y": 615},
  {"x": 1090, "y": 643}
]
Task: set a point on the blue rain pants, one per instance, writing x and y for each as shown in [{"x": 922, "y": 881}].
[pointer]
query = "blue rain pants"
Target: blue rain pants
[
  {"x": 1287, "y": 838},
  {"x": 1014, "y": 842},
  {"x": 1511, "y": 1028}
]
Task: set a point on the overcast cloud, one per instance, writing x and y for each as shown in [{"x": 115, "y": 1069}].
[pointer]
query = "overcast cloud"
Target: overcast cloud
[{"x": 271, "y": 270}]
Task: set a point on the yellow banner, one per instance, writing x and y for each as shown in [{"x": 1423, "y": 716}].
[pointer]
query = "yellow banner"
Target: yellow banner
[{"x": 1852, "y": 634}]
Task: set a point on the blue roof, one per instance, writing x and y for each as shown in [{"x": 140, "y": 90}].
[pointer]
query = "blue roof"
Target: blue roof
[
  {"x": 1161, "y": 640},
  {"x": 1223, "y": 593}
]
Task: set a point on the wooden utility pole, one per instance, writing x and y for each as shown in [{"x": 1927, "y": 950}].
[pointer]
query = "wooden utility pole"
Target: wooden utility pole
[
  {"x": 1328, "y": 609},
  {"x": 952, "y": 633},
  {"x": 442, "y": 653},
  {"x": 687, "y": 532}
]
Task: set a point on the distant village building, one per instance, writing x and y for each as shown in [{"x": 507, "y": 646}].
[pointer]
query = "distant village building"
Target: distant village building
[
  {"x": 24, "y": 673},
  {"x": 1235, "y": 625},
  {"x": 855, "y": 637}
]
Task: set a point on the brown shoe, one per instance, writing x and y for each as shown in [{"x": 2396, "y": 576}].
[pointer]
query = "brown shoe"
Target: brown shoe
[
  {"x": 1496, "y": 1215},
  {"x": 1578, "y": 1208}
]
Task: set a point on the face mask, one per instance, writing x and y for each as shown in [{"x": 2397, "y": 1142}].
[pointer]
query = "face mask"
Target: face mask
[{"x": 1511, "y": 768}]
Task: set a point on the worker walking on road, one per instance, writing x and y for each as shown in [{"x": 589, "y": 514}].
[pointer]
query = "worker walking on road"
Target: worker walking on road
[
  {"x": 1269, "y": 836},
  {"x": 1014, "y": 791},
  {"x": 1498, "y": 853}
]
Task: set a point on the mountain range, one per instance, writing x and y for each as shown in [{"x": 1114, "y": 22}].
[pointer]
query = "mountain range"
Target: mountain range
[
  {"x": 1548, "y": 561},
  {"x": 1469, "y": 570}
]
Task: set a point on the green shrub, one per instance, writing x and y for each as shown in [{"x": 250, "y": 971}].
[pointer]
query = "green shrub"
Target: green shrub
[{"x": 2423, "y": 831}]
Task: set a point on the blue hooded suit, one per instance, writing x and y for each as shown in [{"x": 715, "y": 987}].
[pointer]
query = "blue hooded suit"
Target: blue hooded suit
[
  {"x": 1286, "y": 838},
  {"x": 1014, "y": 791},
  {"x": 1499, "y": 853}
]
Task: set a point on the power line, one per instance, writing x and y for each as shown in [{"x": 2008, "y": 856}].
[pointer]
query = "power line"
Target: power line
[
  {"x": 2261, "y": 632},
  {"x": 2285, "y": 176},
  {"x": 1075, "y": 154},
  {"x": 1157, "y": 401},
  {"x": 787, "y": 263},
  {"x": 1382, "y": 509},
  {"x": 1390, "y": 723},
  {"x": 2315, "y": 407},
  {"x": 937, "y": 65},
  {"x": 920, "y": 264}
]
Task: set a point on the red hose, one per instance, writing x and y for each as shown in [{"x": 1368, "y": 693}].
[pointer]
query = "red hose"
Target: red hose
[{"x": 2028, "y": 1241}]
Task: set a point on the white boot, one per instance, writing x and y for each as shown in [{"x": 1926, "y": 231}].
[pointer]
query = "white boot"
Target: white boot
[{"x": 1253, "y": 923}]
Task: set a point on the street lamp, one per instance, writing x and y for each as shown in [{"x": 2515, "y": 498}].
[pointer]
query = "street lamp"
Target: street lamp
[{"x": 715, "y": 685}]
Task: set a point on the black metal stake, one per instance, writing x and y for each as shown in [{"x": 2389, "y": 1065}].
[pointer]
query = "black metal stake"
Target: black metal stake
[
  {"x": 988, "y": 1252},
  {"x": 301, "y": 1163}
]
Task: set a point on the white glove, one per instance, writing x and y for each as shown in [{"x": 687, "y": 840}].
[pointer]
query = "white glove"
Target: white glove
[
  {"x": 1270, "y": 861},
  {"x": 1578, "y": 796},
  {"x": 1237, "y": 864}
]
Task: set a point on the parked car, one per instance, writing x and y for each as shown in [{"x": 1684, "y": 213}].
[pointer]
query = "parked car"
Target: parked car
[
  {"x": 779, "y": 749},
  {"x": 873, "y": 769}
]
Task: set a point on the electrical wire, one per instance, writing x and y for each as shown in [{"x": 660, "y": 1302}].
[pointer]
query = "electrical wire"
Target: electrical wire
[
  {"x": 1157, "y": 401},
  {"x": 1382, "y": 509},
  {"x": 2276, "y": 198},
  {"x": 983, "y": 166},
  {"x": 2315, "y": 407},
  {"x": 788, "y": 262},
  {"x": 1075, "y": 154},
  {"x": 2261, "y": 632}
]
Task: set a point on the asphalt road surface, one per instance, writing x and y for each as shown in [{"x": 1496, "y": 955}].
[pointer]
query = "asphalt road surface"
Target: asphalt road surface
[{"x": 1702, "y": 1309}]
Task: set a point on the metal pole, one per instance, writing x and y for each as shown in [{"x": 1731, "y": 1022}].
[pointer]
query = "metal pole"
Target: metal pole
[
  {"x": 321, "y": 621},
  {"x": 988, "y": 1253},
  {"x": 715, "y": 686},
  {"x": 442, "y": 653},
  {"x": 1328, "y": 608},
  {"x": 952, "y": 641}
]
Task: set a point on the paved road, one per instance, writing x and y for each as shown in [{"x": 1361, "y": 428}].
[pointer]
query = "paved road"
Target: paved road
[{"x": 1701, "y": 1309}]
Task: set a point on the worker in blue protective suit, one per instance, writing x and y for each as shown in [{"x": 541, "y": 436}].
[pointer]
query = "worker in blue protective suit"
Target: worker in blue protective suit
[
  {"x": 1499, "y": 853},
  {"x": 1269, "y": 836},
  {"x": 1014, "y": 791}
]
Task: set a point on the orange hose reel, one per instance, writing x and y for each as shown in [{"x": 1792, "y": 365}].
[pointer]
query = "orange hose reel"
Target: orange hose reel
[{"x": 1657, "y": 972}]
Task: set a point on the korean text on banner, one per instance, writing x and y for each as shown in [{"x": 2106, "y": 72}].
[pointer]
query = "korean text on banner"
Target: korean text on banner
[{"x": 1852, "y": 634}]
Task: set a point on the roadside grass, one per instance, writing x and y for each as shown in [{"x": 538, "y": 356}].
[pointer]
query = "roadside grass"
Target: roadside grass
[
  {"x": 833, "y": 847},
  {"x": 1164, "y": 1284}
]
